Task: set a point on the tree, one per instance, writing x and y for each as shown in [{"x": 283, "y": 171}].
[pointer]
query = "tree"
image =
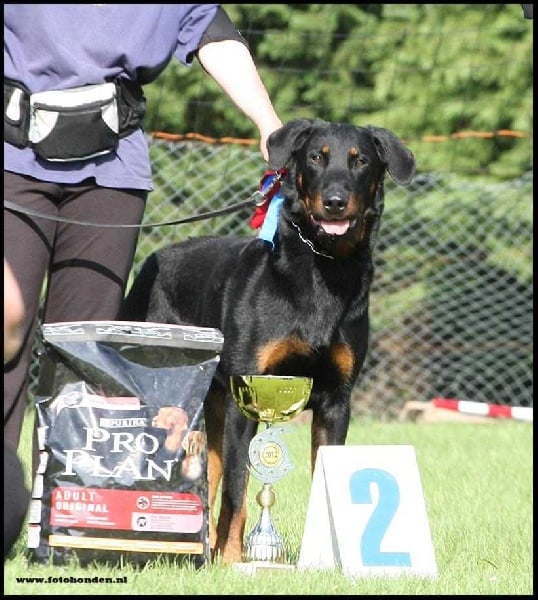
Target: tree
[{"x": 419, "y": 69}]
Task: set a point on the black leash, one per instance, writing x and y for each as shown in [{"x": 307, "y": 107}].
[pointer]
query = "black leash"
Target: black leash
[
  {"x": 13, "y": 207},
  {"x": 257, "y": 198}
]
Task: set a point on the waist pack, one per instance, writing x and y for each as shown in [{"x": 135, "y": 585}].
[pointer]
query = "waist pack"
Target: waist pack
[{"x": 73, "y": 124}]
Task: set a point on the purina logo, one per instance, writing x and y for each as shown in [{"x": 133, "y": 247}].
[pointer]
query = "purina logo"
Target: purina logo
[{"x": 121, "y": 423}]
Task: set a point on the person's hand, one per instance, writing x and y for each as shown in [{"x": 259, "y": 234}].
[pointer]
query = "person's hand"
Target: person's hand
[
  {"x": 265, "y": 133},
  {"x": 13, "y": 314}
]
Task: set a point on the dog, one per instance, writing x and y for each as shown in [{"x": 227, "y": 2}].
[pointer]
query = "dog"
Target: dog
[
  {"x": 174, "y": 420},
  {"x": 194, "y": 444},
  {"x": 295, "y": 306}
]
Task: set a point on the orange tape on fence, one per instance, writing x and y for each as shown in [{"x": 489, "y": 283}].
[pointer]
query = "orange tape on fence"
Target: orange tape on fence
[
  {"x": 178, "y": 137},
  {"x": 459, "y": 135}
]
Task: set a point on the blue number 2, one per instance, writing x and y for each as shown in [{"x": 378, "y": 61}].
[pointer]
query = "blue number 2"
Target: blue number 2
[{"x": 389, "y": 498}]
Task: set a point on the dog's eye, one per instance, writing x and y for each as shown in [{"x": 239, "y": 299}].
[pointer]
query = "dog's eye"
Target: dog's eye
[
  {"x": 359, "y": 161},
  {"x": 316, "y": 158}
]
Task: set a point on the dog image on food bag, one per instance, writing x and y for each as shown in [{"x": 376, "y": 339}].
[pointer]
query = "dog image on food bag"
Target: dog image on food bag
[
  {"x": 194, "y": 444},
  {"x": 296, "y": 305},
  {"x": 175, "y": 421}
]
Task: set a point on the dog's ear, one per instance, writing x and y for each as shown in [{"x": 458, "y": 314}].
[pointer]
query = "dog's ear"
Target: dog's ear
[
  {"x": 391, "y": 150},
  {"x": 283, "y": 142}
]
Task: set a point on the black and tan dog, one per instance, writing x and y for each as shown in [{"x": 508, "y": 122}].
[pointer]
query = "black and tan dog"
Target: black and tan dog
[{"x": 299, "y": 308}]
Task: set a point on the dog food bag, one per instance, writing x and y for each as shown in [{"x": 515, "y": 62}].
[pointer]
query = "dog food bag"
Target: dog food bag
[{"x": 122, "y": 445}]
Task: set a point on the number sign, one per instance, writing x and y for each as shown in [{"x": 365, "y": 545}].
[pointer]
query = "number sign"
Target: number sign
[{"x": 367, "y": 514}]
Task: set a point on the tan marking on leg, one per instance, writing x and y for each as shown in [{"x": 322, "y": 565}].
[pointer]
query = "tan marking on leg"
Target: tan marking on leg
[
  {"x": 231, "y": 530},
  {"x": 214, "y": 422},
  {"x": 214, "y": 470},
  {"x": 342, "y": 357},
  {"x": 233, "y": 550},
  {"x": 275, "y": 352}
]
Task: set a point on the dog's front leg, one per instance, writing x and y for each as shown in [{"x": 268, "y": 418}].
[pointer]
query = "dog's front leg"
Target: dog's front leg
[
  {"x": 238, "y": 432},
  {"x": 330, "y": 422},
  {"x": 214, "y": 420}
]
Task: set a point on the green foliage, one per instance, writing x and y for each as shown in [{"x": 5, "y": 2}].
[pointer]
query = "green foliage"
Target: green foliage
[{"x": 418, "y": 69}]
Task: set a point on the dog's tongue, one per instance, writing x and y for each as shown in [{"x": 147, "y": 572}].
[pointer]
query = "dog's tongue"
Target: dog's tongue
[{"x": 335, "y": 227}]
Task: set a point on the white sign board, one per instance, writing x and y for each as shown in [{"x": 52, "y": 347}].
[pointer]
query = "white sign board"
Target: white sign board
[{"x": 366, "y": 513}]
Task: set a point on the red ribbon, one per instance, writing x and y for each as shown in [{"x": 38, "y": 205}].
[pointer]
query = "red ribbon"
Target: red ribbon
[{"x": 258, "y": 217}]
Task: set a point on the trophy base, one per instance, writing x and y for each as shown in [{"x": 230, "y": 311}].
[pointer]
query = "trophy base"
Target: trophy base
[{"x": 255, "y": 567}]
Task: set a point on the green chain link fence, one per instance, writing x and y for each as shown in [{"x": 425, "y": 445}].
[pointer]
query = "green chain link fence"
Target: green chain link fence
[
  {"x": 452, "y": 300},
  {"x": 451, "y": 304}
]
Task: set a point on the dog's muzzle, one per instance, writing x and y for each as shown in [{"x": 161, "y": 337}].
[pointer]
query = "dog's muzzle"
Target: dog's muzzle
[
  {"x": 335, "y": 228},
  {"x": 332, "y": 227},
  {"x": 333, "y": 219}
]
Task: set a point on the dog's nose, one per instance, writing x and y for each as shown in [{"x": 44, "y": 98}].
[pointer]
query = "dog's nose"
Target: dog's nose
[{"x": 335, "y": 204}]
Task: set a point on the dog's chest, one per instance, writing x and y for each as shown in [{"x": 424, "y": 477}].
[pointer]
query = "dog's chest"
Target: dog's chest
[
  {"x": 312, "y": 344},
  {"x": 305, "y": 331},
  {"x": 295, "y": 319},
  {"x": 304, "y": 305}
]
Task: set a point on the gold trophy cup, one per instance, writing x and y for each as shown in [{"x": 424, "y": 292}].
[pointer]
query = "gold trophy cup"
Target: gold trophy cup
[{"x": 268, "y": 399}]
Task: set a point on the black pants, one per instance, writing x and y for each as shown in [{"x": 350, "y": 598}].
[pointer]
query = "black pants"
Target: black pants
[{"x": 86, "y": 268}]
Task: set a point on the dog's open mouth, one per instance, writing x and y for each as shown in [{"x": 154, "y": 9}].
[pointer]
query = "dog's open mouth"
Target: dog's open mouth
[{"x": 333, "y": 227}]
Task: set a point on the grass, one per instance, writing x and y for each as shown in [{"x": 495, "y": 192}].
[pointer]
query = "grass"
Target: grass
[{"x": 477, "y": 481}]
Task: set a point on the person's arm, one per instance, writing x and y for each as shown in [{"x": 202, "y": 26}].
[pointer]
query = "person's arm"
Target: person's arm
[{"x": 230, "y": 64}]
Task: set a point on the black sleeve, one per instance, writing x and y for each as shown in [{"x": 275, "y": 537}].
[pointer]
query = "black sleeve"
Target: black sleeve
[
  {"x": 527, "y": 10},
  {"x": 221, "y": 28}
]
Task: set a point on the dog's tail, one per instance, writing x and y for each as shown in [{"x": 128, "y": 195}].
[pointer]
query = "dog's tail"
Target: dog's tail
[{"x": 135, "y": 305}]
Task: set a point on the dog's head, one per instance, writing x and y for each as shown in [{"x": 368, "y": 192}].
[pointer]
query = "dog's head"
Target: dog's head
[
  {"x": 334, "y": 187},
  {"x": 174, "y": 420}
]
